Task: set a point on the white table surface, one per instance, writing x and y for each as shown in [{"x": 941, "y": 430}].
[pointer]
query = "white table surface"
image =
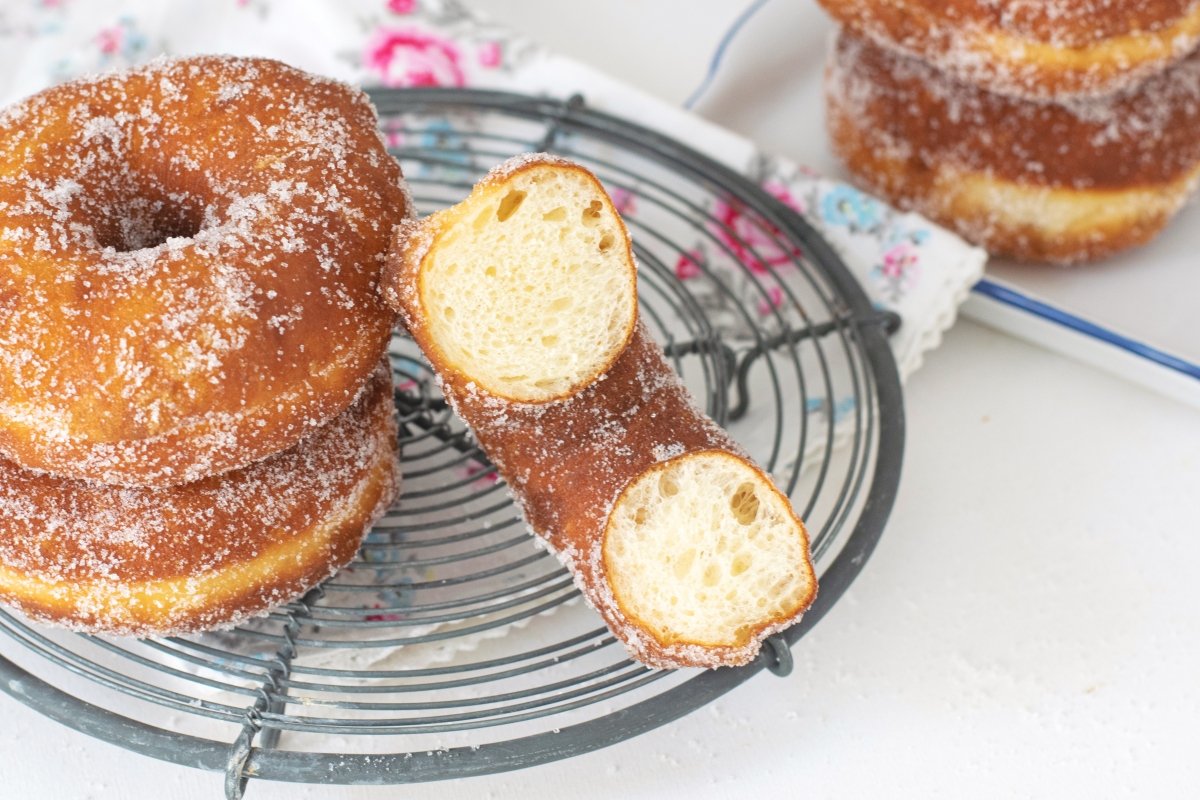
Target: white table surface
[{"x": 1028, "y": 626}]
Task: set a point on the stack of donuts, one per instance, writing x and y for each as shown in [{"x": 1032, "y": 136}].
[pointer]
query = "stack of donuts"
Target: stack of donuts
[
  {"x": 1050, "y": 131},
  {"x": 196, "y": 418}
]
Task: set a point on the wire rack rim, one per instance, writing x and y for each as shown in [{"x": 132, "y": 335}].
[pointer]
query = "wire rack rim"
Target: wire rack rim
[{"x": 674, "y": 702}]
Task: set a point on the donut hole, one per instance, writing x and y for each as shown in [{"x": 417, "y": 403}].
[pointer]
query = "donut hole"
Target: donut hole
[{"x": 138, "y": 223}]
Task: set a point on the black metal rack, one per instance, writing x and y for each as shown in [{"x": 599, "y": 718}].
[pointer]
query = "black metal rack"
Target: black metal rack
[{"x": 454, "y": 646}]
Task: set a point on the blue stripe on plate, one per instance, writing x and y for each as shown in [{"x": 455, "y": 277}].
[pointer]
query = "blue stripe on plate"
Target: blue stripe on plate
[
  {"x": 987, "y": 288},
  {"x": 1024, "y": 302}
]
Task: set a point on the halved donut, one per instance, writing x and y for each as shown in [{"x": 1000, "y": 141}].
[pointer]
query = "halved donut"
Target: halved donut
[
  {"x": 685, "y": 547},
  {"x": 531, "y": 289}
]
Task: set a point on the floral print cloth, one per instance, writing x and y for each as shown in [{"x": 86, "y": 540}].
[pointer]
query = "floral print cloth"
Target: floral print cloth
[{"x": 905, "y": 264}]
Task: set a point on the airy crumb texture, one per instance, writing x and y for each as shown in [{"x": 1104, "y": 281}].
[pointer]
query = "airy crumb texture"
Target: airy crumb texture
[
  {"x": 1047, "y": 49},
  {"x": 528, "y": 287},
  {"x": 189, "y": 260},
  {"x": 142, "y": 561},
  {"x": 568, "y": 459},
  {"x": 704, "y": 550},
  {"x": 574, "y": 461},
  {"x": 1033, "y": 180}
]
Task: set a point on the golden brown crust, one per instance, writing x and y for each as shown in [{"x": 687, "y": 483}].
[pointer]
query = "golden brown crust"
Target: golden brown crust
[
  {"x": 419, "y": 236},
  {"x": 142, "y": 561},
  {"x": 1037, "y": 181},
  {"x": 189, "y": 257},
  {"x": 566, "y": 462},
  {"x": 1034, "y": 48}
]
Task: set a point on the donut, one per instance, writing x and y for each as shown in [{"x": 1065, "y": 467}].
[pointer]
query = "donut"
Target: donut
[
  {"x": 144, "y": 561},
  {"x": 1033, "y": 48},
  {"x": 1033, "y": 180},
  {"x": 686, "y": 548},
  {"x": 189, "y": 260}
]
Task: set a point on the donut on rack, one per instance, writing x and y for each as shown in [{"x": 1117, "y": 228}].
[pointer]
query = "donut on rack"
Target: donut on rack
[
  {"x": 142, "y": 561},
  {"x": 1033, "y": 48},
  {"x": 189, "y": 258},
  {"x": 1035, "y": 180},
  {"x": 523, "y": 298}
]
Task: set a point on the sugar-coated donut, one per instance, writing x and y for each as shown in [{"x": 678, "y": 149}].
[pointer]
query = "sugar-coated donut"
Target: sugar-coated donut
[
  {"x": 142, "y": 561},
  {"x": 1033, "y": 48},
  {"x": 1034, "y": 180},
  {"x": 189, "y": 257},
  {"x": 685, "y": 547}
]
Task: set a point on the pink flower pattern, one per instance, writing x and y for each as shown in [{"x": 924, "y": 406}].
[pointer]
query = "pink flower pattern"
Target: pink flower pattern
[
  {"x": 624, "y": 201},
  {"x": 783, "y": 193},
  {"x": 772, "y": 301},
  {"x": 109, "y": 40},
  {"x": 688, "y": 264},
  {"x": 898, "y": 270},
  {"x": 381, "y": 617},
  {"x": 409, "y": 57},
  {"x": 490, "y": 55},
  {"x": 898, "y": 259},
  {"x": 753, "y": 241},
  {"x": 120, "y": 42},
  {"x": 486, "y": 474},
  {"x": 402, "y": 6}
]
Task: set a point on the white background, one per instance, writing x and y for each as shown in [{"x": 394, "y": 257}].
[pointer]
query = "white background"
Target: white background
[{"x": 1028, "y": 627}]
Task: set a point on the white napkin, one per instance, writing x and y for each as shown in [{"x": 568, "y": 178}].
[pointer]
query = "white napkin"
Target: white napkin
[{"x": 905, "y": 263}]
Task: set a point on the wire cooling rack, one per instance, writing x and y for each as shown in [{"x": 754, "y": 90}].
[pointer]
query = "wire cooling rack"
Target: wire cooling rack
[{"x": 453, "y": 645}]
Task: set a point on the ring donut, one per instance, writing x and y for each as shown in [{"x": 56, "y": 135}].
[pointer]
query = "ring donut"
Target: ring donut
[
  {"x": 1033, "y": 180},
  {"x": 142, "y": 561},
  {"x": 1033, "y": 48},
  {"x": 189, "y": 255}
]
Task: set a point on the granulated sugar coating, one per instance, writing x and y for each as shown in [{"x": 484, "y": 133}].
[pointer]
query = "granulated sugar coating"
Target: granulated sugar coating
[
  {"x": 1037, "y": 180},
  {"x": 189, "y": 255},
  {"x": 144, "y": 561},
  {"x": 1033, "y": 48},
  {"x": 720, "y": 547}
]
